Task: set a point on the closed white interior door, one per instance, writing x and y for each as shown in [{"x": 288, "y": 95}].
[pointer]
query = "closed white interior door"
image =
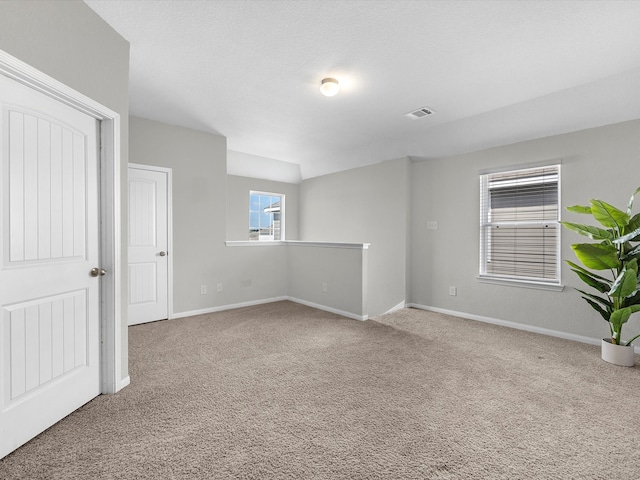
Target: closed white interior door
[
  {"x": 49, "y": 302},
  {"x": 148, "y": 245}
]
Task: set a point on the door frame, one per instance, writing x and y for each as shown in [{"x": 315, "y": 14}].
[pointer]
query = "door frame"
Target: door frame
[
  {"x": 169, "y": 172},
  {"x": 110, "y": 211}
]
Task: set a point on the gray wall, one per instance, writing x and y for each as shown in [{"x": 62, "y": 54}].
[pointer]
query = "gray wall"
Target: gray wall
[
  {"x": 200, "y": 257},
  {"x": 198, "y": 160},
  {"x": 69, "y": 42},
  {"x": 238, "y": 189},
  {"x": 364, "y": 205},
  {"x": 210, "y": 207},
  {"x": 343, "y": 270},
  {"x": 596, "y": 163},
  {"x": 389, "y": 205},
  {"x": 386, "y": 205}
]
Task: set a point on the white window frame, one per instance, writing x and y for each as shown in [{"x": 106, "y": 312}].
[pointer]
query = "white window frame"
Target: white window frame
[
  {"x": 282, "y": 214},
  {"x": 485, "y": 222}
]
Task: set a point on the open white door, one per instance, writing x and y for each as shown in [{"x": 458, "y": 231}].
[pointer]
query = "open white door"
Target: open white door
[
  {"x": 149, "y": 212},
  {"x": 49, "y": 301}
]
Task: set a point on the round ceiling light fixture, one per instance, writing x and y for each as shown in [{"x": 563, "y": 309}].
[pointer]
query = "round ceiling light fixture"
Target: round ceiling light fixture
[{"x": 329, "y": 87}]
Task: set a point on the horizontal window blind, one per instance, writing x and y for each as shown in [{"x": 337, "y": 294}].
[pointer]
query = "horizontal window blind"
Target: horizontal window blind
[{"x": 519, "y": 228}]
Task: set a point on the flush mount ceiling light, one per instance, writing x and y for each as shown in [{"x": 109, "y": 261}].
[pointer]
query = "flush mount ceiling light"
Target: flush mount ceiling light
[{"x": 329, "y": 87}]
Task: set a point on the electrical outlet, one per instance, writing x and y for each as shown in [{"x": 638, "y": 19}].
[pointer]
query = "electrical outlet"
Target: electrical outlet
[
  {"x": 219, "y": 287},
  {"x": 453, "y": 291},
  {"x": 203, "y": 289},
  {"x": 324, "y": 287},
  {"x": 432, "y": 225}
]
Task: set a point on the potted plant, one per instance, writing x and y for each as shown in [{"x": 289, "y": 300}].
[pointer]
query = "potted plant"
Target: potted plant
[{"x": 616, "y": 250}]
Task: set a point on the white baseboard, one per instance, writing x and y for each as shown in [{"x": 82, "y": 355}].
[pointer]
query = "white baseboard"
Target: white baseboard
[
  {"x": 123, "y": 383},
  {"x": 400, "y": 306},
  {"x": 268, "y": 300},
  {"x": 328, "y": 309},
  {"x": 518, "y": 326},
  {"x": 232, "y": 306}
]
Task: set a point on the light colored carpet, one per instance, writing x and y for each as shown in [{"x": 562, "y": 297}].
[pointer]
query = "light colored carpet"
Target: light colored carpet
[{"x": 283, "y": 391}]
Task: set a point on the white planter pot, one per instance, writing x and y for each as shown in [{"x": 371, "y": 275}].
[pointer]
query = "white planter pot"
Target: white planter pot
[{"x": 618, "y": 354}]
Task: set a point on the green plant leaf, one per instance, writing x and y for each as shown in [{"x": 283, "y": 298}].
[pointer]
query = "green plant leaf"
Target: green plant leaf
[
  {"x": 630, "y": 341},
  {"x": 620, "y": 317},
  {"x": 608, "y": 215},
  {"x": 634, "y": 308},
  {"x": 606, "y": 315},
  {"x": 630, "y": 204},
  {"x": 625, "y": 284},
  {"x": 599, "y": 286},
  {"x": 632, "y": 300},
  {"x": 594, "y": 233},
  {"x": 632, "y": 265},
  {"x": 634, "y": 225},
  {"x": 632, "y": 253},
  {"x": 629, "y": 236},
  {"x": 605, "y": 302},
  {"x": 579, "y": 209},
  {"x": 597, "y": 257},
  {"x": 575, "y": 267}
]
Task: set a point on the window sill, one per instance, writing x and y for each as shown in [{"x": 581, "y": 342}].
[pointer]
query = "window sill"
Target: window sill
[
  {"x": 297, "y": 243},
  {"x": 248, "y": 243},
  {"x": 555, "y": 287}
]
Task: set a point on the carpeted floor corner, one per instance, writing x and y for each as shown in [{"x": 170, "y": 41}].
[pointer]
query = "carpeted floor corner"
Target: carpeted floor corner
[{"x": 283, "y": 391}]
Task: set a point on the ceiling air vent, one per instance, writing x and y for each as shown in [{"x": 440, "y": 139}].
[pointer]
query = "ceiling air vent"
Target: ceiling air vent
[{"x": 420, "y": 113}]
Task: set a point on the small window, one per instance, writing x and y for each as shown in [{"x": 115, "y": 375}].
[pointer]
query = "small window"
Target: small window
[
  {"x": 266, "y": 216},
  {"x": 519, "y": 225}
]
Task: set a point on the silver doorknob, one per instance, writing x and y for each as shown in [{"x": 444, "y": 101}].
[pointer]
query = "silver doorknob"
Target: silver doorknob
[
  {"x": 162, "y": 254},
  {"x": 98, "y": 272}
]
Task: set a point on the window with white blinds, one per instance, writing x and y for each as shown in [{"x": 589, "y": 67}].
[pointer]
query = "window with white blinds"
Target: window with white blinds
[{"x": 519, "y": 225}]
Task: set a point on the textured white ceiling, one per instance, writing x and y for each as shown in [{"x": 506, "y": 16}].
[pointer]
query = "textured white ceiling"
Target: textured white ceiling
[{"x": 496, "y": 72}]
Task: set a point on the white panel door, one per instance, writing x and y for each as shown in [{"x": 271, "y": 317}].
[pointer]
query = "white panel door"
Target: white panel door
[
  {"x": 49, "y": 302},
  {"x": 148, "y": 245}
]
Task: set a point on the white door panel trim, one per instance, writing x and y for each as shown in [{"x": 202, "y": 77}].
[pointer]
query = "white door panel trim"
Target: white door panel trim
[{"x": 109, "y": 162}]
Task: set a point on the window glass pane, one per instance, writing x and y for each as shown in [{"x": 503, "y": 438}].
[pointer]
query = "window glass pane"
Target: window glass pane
[
  {"x": 265, "y": 212},
  {"x": 265, "y": 220},
  {"x": 253, "y": 220},
  {"x": 254, "y": 202}
]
